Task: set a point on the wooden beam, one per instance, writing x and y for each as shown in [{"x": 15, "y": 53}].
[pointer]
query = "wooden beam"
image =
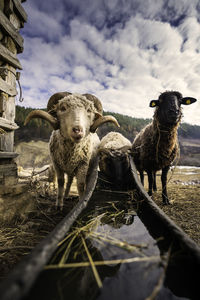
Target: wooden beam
[
  {"x": 8, "y": 154},
  {"x": 8, "y": 56},
  {"x": 7, "y": 88},
  {"x": 2, "y": 5},
  {"x": 11, "y": 31},
  {"x": 8, "y": 9},
  {"x": 8, "y": 169},
  {"x": 8, "y": 125},
  {"x": 3, "y": 72},
  {"x": 20, "y": 10}
]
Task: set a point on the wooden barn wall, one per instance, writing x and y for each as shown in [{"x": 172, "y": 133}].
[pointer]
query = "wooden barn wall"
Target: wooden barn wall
[{"x": 12, "y": 18}]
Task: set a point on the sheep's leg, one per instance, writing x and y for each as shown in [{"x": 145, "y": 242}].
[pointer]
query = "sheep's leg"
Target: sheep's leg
[
  {"x": 154, "y": 181},
  {"x": 164, "y": 185},
  {"x": 142, "y": 177},
  {"x": 150, "y": 179},
  {"x": 69, "y": 183},
  {"x": 60, "y": 179},
  {"x": 51, "y": 174}
]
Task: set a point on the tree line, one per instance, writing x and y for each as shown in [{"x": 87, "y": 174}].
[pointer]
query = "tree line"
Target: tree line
[{"x": 129, "y": 127}]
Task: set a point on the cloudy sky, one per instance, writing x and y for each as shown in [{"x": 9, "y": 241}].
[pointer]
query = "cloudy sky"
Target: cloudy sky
[{"x": 126, "y": 52}]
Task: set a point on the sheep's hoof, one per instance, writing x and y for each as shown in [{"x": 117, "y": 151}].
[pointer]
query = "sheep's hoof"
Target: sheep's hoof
[{"x": 166, "y": 202}]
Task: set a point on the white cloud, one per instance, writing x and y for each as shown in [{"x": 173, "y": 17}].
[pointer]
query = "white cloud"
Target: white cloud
[
  {"x": 125, "y": 69},
  {"x": 190, "y": 29},
  {"x": 41, "y": 23}
]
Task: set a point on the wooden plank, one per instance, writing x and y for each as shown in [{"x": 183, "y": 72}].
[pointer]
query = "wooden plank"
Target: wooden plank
[
  {"x": 7, "y": 88},
  {"x": 8, "y": 154},
  {"x": 8, "y": 10},
  {"x": 20, "y": 10},
  {"x": 7, "y": 141},
  {"x": 2, "y": 5},
  {"x": 8, "y": 167},
  {"x": 8, "y": 174},
  {"x": 11, "y": 31},
  {"x": 8, "y": 125},
  {"x": 3, "y": 72},
  {"x": 8, "y": 56}
]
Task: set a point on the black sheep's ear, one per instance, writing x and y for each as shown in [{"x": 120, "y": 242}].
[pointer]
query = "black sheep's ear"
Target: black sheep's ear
[
  {"x": 188, "y": 100},
  {"x": 154, "y": 103}
]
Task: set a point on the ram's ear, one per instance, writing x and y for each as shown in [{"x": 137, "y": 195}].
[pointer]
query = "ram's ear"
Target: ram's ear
[
  {"x": 154, "y": 103},
  {"x": 188, "y": 100}
]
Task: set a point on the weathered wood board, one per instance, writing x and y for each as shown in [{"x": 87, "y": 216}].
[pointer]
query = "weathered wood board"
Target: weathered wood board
[
  {"x": 12, "y": 18},
  {"x": 8, "y": 27},
  {"x": 7, "y": 88},
  {"x": 20, "y": 10},
  {"x": 9, "y": 125}
]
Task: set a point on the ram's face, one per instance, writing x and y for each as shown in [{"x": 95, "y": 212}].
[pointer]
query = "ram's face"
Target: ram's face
[{"x": 75, "y": 119}]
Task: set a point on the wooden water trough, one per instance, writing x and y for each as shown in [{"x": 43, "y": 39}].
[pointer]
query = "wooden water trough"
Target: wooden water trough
[{"x": 113, "y": 244}]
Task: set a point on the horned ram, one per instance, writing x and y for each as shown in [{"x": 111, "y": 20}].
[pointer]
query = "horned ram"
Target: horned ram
[{"x": 73, "y": 143}]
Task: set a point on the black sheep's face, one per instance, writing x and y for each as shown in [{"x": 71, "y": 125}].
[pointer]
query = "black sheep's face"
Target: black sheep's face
[
  {"x": 168, "y": 107},
  {"x": 169, "y": 110}
]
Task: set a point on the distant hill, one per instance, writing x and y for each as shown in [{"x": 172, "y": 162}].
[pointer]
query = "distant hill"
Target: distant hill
[{"x": 129, "y": 127}]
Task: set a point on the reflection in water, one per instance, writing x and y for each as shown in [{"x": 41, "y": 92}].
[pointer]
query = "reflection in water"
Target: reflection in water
[{"x": 107, "y": 254}]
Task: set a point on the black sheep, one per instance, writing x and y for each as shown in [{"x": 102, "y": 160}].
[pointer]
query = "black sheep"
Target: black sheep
[{"x": 156, "y": 146}]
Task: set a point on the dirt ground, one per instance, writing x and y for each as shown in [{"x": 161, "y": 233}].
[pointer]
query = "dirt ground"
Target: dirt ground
[
  {"x": 184, "y": 195},
  {"x": 18, "y": 237}
]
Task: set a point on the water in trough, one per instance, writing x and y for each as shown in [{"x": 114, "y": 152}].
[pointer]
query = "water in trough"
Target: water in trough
[{"x": 111, "y": 252}]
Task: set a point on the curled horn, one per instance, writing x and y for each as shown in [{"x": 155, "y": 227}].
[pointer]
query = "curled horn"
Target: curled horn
[
  {"x": 101, "y": 120},
  {"x": 50, "y": 115},
  {"x": 42, "y": 115},
  {"x": 53, "y": 100},
  {"x": 96, "y": 101}
]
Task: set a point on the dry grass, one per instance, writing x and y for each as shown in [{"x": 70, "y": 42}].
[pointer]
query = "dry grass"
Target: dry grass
[
  {"x": 77, "y": 251},
  {"x": 21, "y": 235},
  {"x": 185, "y": 201}
]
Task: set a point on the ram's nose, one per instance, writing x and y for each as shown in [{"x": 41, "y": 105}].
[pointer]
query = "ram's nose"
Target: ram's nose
[
  {"x": 77, "y": 133},
  {"x": 77, "y": 129}
]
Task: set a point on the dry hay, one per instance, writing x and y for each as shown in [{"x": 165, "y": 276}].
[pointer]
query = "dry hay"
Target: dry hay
[
  {"x": 77, "y": 249},
  {"x": 184, "y": 195},
  {"x": 22, "y": 234}
]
